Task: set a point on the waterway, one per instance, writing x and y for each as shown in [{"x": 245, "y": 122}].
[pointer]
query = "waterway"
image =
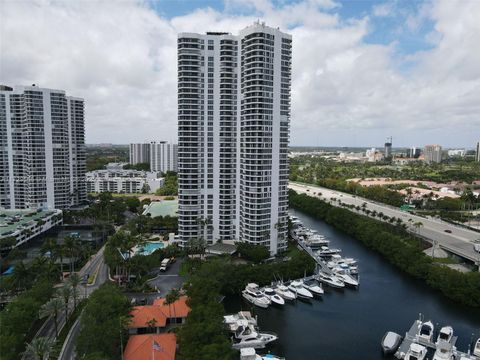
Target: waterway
[{"x": 349, "y": 324}]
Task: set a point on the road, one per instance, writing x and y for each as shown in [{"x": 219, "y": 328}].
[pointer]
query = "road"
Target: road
[
  {"x": 68, "y": 350},
  {"x": 458, "y": 242}
]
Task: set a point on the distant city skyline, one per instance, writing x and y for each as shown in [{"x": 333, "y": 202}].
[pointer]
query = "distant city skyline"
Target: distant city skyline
[{"x": 364, "y": 70}]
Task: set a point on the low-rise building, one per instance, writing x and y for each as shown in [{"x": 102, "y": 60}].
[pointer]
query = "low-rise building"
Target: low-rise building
[
  {"x": 373, "y": 155},
  {"x": 123, "y": 181},
  {"x": 456, "y": 153},
  {"x": 23, "y": 225},
  {"x": 151, "y": 346}
]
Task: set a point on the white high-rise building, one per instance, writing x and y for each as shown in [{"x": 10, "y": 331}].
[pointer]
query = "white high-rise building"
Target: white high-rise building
[
  {"x": 163, "y": 157},
  {"x": 139, "y": 153},
  {"x": 432, "y": 154},
  {"x": 42, "y": 148},
  {"x": 477, "y": 152},
  {"x": 233, "y": 117}
]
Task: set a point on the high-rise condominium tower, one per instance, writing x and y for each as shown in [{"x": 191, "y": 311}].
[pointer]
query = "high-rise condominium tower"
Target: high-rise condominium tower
[
  {"x": 233, "y": 117},
  {"x": 42, "y": 148},
  {"x": 139, "y": 153},
  {"x": 163, "y": 156},
  {"x": 477, "y": 152},
  {"x": 433, "y": 154}
]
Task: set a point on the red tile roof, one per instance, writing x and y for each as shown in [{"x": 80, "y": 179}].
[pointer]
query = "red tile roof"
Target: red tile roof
[
  {"x": 141, "y": 347},
  {"x": 178, "y": 309},
  {"x": 141, "y": 315}
]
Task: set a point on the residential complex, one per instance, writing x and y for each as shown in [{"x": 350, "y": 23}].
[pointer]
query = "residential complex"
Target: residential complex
[
  {"x": 23, "y": 225},
  {"x": 123, "y": 181},
  {"x": 233, "y": 116},
  {"x": 139, "y": 153},
  {"x": 42, "y": 148},
  {"x": 432, "y": 154},
  {"x": 477, "y": 152},
  {"x": 163, "y": 156}
]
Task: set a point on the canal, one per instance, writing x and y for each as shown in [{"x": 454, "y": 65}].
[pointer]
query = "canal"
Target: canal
[{"x": 349, "y": 324}]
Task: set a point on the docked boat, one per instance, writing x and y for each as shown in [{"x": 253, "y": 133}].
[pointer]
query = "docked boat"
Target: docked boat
[
  {"x": 445, "y": 334},
  {"x": 330, "y": 280},
  {"x": 297, "y": 287},
  {"x": 343, "y": 275},
  {"x": 251, "y": 354},
  {"x": 241, "y": 315},
  {"x": 284, "y": 292},
  {"x": 416, "y": 352},
  {"x": 313, "y": 287},
  {"x": 426, "y": 331},
  {"x": 444, "y": 351},
  {"x": 273, "y": 296},
  {"x": 316, "y": 241},
  {"x": 390, "y": 342},
  {"x": 476, "y": 348},
  {"x": 325, "y": 251},
  {"x": 255, "y": 340},
  {"x": 253, "y": 295}
]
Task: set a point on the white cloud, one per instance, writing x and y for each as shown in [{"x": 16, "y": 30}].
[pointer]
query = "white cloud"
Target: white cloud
[
  {"x": 121, "y": 57},
  {"x": 383, "y": 10}
]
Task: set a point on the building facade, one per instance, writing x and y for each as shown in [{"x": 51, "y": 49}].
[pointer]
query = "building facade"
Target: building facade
[
  {"x": 414, "y": 152},
  {"x": 123, "y": 181},
  {"x": 163, "y": 157},
  {"x": 234, "y": 116},
  {"x": 477, "y": 153},
  {"x": 139, "y": 153},
  {"x": 432, "y": 154},
  {"x": 42, "y": 149}
]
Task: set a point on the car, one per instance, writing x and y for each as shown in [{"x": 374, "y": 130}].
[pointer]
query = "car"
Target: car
[{"x": 448, "y": 231}]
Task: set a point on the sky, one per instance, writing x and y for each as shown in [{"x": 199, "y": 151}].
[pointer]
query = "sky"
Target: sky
[{"x": 362, "y": 70}]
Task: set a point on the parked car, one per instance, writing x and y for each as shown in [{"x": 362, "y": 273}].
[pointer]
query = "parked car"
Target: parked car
[{"x": 448, "y": 231}]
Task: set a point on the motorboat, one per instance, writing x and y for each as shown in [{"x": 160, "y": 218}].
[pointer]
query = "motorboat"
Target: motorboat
[
  {"x": 251, "y": 354},
  {"x": 330, "y": 280},
  {"x": 444, "y": 351},
  {"x": 253, "y": 295},
  {"x": 325, "y": 251},
  {"x": 297, "y": 287},
  {"x": 445, "y": 334},
  {"x": 416, "y": 352},
  {"x": 316, "y": 241},
  {"x": 343, "y": 275},
  {"x": 284, "y": 292},
  {"x": 390, "y": 342},
  {"x": 426, "y": 331},
  {"x": 241, "y": 315},
  {"x": 273, "y": 296},
  {"x": 476, "y": 348},
  {"x": 255, "y": 340},
  {"x": 313, "y": 287}
]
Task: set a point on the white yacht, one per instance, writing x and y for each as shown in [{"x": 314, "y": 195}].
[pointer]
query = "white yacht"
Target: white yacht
[
  {"x": 445, "y": 334},
  {"x": 284, "y": 292},
  {"x": 241, "y": 315},
  {"x": 343, "y": 275},
  {"x": 390, "y": 342},
  {"x": 416, "y": 352},
  {"x": 255, "y": 340},
  {"x": 273, "y": 296},
  {"x": 476, "y": 349},
  {"x": 330, "y": 280},
  {"x": 325, "y": 251},
  {"x": 253, "y": 295},
  {"x": 251, "y": 354},
  {"x": 313, "y": 287},
  {"x": 444, "y": 351},
  {"x": 297, "y": 287},
  {"x": 426, "y": 331},
  {"x": 316, "y": 241}
]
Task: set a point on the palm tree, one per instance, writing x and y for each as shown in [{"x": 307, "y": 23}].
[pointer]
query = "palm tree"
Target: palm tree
[
  {"x": 74, "y": 281},
  {"x": 70, "y": 243},
  {"x": 39, "y": 349},
  {"x": 52, "y": 308},
  {"x": 171, "y": 298},
  {"x": 21, "y": 275},
  {"x": 65, "y": 293},
  {"x": 151, "y": 324}
]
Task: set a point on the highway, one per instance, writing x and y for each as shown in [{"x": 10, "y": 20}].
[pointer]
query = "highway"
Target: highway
[{"x": 459, "y": 241}]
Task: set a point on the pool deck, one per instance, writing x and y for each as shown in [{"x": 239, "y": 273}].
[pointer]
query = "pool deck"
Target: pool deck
[{"x": 162, "y": 208}]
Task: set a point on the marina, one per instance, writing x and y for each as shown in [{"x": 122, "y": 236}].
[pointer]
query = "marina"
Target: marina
[{"x": 346, "y": 325}]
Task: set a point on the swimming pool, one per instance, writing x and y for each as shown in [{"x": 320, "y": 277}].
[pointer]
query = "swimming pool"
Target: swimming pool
[{"x": 150, "y": 247}]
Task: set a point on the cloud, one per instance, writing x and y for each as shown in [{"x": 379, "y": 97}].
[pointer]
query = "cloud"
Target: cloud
[
  {"x": 121, "y": 57},
  {"x": 383, "y": 10}
]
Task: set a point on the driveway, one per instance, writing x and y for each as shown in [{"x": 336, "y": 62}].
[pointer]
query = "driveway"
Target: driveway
[{"x": 167, "y": 280}]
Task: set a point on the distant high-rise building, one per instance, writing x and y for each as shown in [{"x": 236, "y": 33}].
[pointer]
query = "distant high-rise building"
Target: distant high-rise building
[
  {"x": 42, "y": 148},
  {"x": 433, "y": 154},
  {"x": 163, "y": 156},
  {"x": 388, "y": 149},
  {"x": 233, "y": 117},
  {"x": 139, "y": 153},
  {"x": 414, "y": 152},
  {"x": 477, "y": 153}
]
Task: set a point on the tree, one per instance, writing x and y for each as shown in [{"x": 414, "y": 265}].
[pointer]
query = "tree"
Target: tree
[
  {"x": 70, "y": 243},
  {"x": 52, "y": 308},
  {"x": 103, "y": 323},
  {"x": 65, "y": 294},
  {"x": 39, "y": 349},
  {"x": 74, "y": 281},
  {"x": 21, "y": 275},
  {"x": 151, "y": 324},
  {"x": 172, "y": 296}
]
